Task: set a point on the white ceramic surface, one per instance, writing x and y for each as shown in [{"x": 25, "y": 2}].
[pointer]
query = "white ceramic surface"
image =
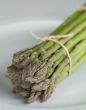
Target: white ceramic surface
[{"x": 14, "y": 36}]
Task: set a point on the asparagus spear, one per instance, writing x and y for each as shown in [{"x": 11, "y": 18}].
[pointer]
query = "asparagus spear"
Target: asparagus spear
[
  {"x": 57, "y": 75},
  {"x": 57, "y": 58},
  {"x": 33, "y": 96},
  {"x": 38, "y": 87},
  {"x": 34, "y": 68},
  {"x": 49, "y": 91},
  {"x": 74, "y": 54},
  {"x": 36, "y": 71},
  {"x": 75, "y": 21}
]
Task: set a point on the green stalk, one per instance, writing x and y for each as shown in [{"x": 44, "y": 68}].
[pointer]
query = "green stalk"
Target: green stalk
[
  {"x": 80, "y": 60},
  {"x": 66, "y": 30},
  {"x": 64, "y": 72},
  {"x": 62, "y": 30},
  {"x": 50, "y": 43},
  {"x": 70, "y": 19},
  {"x": 49, "y": 70},
  {"x": 80, "y": 46},
  {"x": 74, "y": 55},
  {"x": 57, "y": 58},
  {"x": 61, "y": 73},
  {"x": 56, "y": 47},
  {"x": 35, "y": 72},
  {"x": 50, "y": 90},
  {"x": 62, "y": 76}
]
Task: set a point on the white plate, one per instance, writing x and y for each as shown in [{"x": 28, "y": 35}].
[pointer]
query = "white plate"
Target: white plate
[
  {"x": 15, "y": 37},
  {"x": 16, "y": 16}
]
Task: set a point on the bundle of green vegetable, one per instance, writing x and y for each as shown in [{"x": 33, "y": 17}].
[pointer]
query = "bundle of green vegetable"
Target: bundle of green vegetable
[{"x": 35, "y": 72}]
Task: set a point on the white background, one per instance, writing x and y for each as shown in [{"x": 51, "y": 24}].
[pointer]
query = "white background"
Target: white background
[{"x": 38, "y": 9}]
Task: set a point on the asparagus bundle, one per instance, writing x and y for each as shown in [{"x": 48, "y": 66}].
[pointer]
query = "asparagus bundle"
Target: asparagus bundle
[{"x": 36, "y": 71}]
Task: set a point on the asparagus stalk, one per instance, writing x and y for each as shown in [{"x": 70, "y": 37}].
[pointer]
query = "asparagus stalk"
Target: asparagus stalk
[
  {"x": 47, "y": 93},
  {"x": 37, "y": 67},
  {"x": 75, "y": 21},
  {"x": 36, "y": 71},
  {"x": 74, "y": 55},
  {"x": 33, "y": 96},
  {"x": 57, "y": 75},
  {"x": 57, "y": 58},
  {"x": 44, "y": 85},
  {"x": 33, "y": 67}
]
